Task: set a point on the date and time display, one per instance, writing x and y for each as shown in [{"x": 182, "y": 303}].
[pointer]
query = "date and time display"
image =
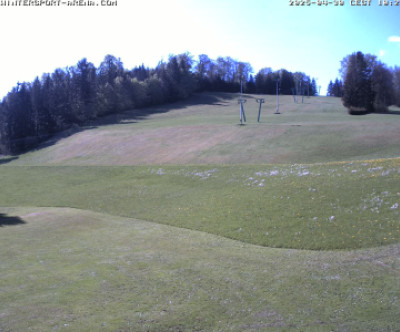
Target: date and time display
[{"x": 361, "y": 3}]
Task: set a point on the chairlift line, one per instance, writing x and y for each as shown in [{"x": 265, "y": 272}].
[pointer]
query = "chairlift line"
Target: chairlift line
[
  {"x": 277, "y": 96},
  {"x": 241, "y": 101},
  {"x": 260, "y": 101}
]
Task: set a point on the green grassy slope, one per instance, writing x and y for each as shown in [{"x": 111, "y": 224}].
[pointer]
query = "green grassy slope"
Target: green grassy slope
[
  {"x": 87, "y": 222},
  {"x": 73, "y": 270},
  {"x": 325, "y": 206},
  {"x": 314, "y": 206},
  {"x": 205, "y": 130}
]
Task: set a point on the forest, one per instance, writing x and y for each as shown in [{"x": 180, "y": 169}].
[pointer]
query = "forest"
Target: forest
[
  {"x": 367, "y": 84},
  {"x": 34, "y": 111}
]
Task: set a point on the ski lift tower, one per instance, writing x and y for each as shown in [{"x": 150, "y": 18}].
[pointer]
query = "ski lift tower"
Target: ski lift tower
[
  {"x": 241, "y": 101},
  {"x": 260, "y": 101},
  {"x": 277, "y": 81}
]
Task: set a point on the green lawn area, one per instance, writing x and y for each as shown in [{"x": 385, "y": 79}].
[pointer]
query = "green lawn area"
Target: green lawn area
[
  {"x": 321, "y": 206},
  {"x": 179, "y": 219},
  {"x": 73, "y": 270}
]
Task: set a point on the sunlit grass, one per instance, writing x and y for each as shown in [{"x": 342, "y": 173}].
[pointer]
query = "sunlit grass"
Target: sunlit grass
[
  {"x": 294, "y": 182},
  {"x": 321, "y": 206},
  {"x": 206, "y": 130},
  {"x": 74, "y": 270}
]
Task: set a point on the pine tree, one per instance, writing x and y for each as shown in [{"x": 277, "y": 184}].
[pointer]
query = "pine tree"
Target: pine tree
[
  {"x": 251, "y": 85},
  {"x": 357, "y": 94},
  {"x": 382, "y": 87},
  {"x": 286, "y": 82},
  {"x": 336, "y": 89},
  {"x": 260, "y": 82},
  {"x": 330, "y": 89},
  {"x": 396, "y": 86},
  {"x": 84, "y": 90},
  {"x": 313, "y": 88},
  {"x": 4, "y": 129}
]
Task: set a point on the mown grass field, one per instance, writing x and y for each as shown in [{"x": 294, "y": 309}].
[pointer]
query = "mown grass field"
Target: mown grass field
[
  {"x": 180, "y": 219},
  {"x": 206, "y": 130},
  {"x": 74, "y": 270},
  {"x": 326, "y": 206}
]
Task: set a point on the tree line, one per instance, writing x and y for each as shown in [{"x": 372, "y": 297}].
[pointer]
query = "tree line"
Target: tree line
[
  {"x": 368, "y": 84},
  {"x": 33, "y": 111},
  {"x": 335, "y": 89}
]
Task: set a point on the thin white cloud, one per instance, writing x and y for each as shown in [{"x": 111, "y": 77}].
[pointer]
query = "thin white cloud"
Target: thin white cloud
[
  {"x": 394, "y": 39},
  {"x": 382, "y": 53}
]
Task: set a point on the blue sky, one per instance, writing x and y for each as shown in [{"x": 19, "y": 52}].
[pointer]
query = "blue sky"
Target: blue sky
[{"x": 313, "y": 39}]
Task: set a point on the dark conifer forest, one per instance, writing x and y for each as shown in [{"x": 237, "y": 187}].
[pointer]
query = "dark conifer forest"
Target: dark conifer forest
[{"x": 368, "y": 84}]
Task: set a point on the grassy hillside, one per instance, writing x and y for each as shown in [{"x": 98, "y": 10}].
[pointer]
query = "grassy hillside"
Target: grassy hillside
[
  {"x": 177, "y": 218},
  {"x": 73, "y": 270},
  {"x": 326, "y": 206},
  {"x": 206, "y": 130}
]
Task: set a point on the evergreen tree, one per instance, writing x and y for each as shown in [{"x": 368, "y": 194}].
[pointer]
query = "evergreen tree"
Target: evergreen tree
[
  {"x": 19, "y": 119},
  {"x": 357, "y": 94},
  {"x": 60, "y": 99},
  {"x": 338, "y": 88},
  {"x": 263, "y": 81},
  {"x": 335, "y": 89},
  {"x": 168, "y": 73},
  {"x": 37, "y": 106},
  {"x": 140, "y": 73},
  {"x": 313, "y": 88},
  {"x": 20, "y": 115},
  {"x": 286, "y": 82},
  {"x": 330, "y": 89},
  {"x": 382, "y": 87},
  {"x": 47, "y": 121},
  {"x": 84, "y": 87},
  {"x": 177, "y": 77},
  {"x": 396, "y": 86},
  {"x": 4, "y": 138},
  {"x": 251, "y": 85}
]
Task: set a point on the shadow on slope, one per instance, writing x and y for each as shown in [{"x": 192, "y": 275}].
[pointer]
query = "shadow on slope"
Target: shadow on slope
[
  {"x": 135, "y": 115},
  {"x": 6, "y": 220},
  {"x": 393, "y": 110},
  {"x": 6, "y": 160}
]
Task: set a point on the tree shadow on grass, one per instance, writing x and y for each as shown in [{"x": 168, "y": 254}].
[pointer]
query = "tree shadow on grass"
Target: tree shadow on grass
[
  {"x": 125, "y": 117},
  {"x": 390, "y": 112},
  {"x": 7, "y": 159},
  {"x": 139, "y": 114},
  {"x": 393, "y": 110},
  {"x": 6, "y": 220},
  {"x": 134, "y": 116}
]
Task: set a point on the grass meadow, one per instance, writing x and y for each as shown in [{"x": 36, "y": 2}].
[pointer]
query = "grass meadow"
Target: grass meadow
[{"x": 179, "y": 219}]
